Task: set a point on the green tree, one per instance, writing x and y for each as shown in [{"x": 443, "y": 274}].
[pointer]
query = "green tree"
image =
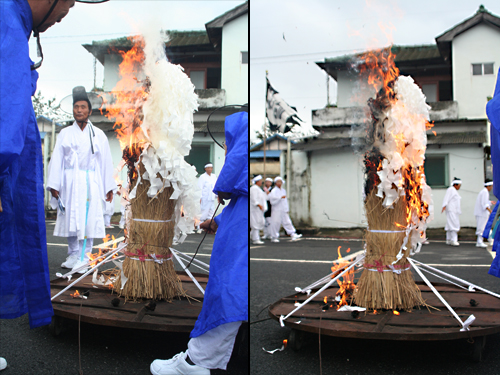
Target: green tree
[{"x": 47, "y": 108}]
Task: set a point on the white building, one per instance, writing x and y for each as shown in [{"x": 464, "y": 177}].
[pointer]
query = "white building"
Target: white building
[{"x": 457, "y": 75}]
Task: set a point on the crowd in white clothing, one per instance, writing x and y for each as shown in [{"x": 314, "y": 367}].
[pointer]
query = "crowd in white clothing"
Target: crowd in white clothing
[{"x": 263, "y": 199}]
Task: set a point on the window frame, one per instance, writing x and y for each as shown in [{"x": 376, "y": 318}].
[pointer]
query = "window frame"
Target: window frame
[{"x": 446, "y": 159}]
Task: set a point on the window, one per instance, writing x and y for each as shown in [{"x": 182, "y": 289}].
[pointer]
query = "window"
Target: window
[
  {"x": 480, "y": 69},
  {"x": 198, "y": 78},
  {"x": 488, "y": 68},
  {"x": 436, "y": 170},
  {"x": 199, "y": 156},
  {"x": 244, "y": 57}
]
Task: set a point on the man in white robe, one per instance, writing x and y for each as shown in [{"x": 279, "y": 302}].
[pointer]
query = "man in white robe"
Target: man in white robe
[
  {"x": 451, "y": 204},
  {"x": 206, "y": 182},
  {"x": 279, "y": 215},
  {"x": 80, "y": 180},
  {"x": 267, "y": 215},
  {"x": 482, "y": 211},
  {"x": 258, "y": 205}
]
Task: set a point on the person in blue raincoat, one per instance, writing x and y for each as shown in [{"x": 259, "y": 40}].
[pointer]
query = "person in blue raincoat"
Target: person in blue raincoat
[
  {"x": 493, "y": 112},
  {"x": 24, "y": 277},
  {"x": 225, "y": 303}
]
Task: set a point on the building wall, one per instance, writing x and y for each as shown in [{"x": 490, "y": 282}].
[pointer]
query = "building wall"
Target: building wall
[
  {"x": 234, "y": 77},
  {"x": 466, "y": 163},
  {"x": 351, "y": 92},
  {"x": 476, "y": 45},
  {"x": 332, "y": 181},
  {"x": 336, "y": 189}
]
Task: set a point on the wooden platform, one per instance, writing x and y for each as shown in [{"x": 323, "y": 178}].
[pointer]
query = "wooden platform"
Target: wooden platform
[
  {"x": 419, "y": 324},
  {"x": 178, "y": 316}
]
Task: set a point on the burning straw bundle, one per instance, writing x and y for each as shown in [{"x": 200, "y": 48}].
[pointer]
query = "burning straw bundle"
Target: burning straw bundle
[
  {"x": 155, "y": 126},
  {"x": 397, "y": 197},
  {"x": 148, "y": 265}
]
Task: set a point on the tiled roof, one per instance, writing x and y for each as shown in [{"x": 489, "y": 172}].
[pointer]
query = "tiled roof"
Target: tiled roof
[
  {"x": 403, "y": 53},
  {"x": 178, "y": 40}
]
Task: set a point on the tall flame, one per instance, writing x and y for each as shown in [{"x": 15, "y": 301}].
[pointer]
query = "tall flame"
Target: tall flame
[{"x": 128, "y": 96}]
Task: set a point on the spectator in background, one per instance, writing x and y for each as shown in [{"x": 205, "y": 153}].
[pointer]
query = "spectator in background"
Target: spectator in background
[
  {"x": 482, "y": 211},
  {"x": 258, "y": 205},
  {"x": 206, "y": 182},
  {"x": 267, "y": 215},
  {"x": 451, "y": 204},
  {"x": 279, "y": 216}
]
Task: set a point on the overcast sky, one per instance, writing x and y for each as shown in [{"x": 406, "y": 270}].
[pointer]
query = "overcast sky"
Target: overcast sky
[
  {"x": 67, "y": 64},
  {"x": 287, "y": 37}
]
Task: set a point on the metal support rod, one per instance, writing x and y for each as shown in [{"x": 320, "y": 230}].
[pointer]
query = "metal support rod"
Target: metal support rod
[
  {"x": 88, "y": 272},
  {"x": 188, "y": 272},
  {"x": 438, "y": 295},
  {"x": 354, "y": 262},
  {"x": 457, "y": 279}
]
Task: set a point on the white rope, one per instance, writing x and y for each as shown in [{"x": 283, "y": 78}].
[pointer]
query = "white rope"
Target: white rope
[
  {"x": 155, "y": 259},
  {"x": 385, "y": 231},
  {"x": 470, "y": 319},
  {"x": 392, "y": 269},
  {"x": 152, "y": 221},
  {"x": 353, "y": 263},
  {"x": 188, "y": 272}
]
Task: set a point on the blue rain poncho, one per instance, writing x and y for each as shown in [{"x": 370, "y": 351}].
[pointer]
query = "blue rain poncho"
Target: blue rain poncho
[
  {"x": 24, "y": 270},
  {"x": 493, "y": 112},
  {"x": 226, "y": 295}
]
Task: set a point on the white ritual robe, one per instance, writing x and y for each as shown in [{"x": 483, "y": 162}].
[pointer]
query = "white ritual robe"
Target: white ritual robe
[
  {"x": 279, "y": 213},
  {"x": 452, "y": 202},
  {"x": 257, "y": 197},
  {"x": 481, "y": 210},
  {"x": 206, "y": 184},
  {"x": 77, "y": 173}
]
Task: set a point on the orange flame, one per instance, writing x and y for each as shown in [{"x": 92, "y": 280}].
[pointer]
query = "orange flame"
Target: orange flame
[
  {"x": 346, "y": 283},
  {"x": 76, "y": 294},
  {"x": 325, "y": 300},
  {"x": 128, "y": 96},
  {"x": 285, "y": 341},
  {"x": 380, "y": 71},
  {"x": 395, "y": 312}
]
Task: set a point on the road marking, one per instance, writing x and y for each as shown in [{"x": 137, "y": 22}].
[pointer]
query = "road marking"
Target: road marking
[{"x": 331, "y": 261}]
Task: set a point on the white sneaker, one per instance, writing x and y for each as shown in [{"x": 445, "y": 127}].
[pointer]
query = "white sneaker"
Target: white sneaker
[
  {"x": 200, "y": 231},
  {"x": 454, "y": 244},
  {"x": 121, "y": 226},
  {"x": 70, "y": 261},
  {"x": 3, "y": 363},
  {"x": 79, "y": 264},
  {"x": 258, "y": 242},
  {"x": 176, "y": 366},
  {"x": 295, "y": 236},
  {"x": 275, "y": 240},
  {"x": 448, "y": 242},
  {"x": 265, "y": 238},
  {"x": 482, "y": 244},
  {"x": 109, "y": 226}
]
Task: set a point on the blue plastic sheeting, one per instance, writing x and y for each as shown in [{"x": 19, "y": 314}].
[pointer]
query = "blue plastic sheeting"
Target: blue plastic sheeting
[{"x": 24, "y": 270}]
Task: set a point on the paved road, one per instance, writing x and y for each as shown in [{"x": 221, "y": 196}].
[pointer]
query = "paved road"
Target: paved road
[
  {"x": 104, "y": 350},
  {"x": 276, "y": 269}
]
